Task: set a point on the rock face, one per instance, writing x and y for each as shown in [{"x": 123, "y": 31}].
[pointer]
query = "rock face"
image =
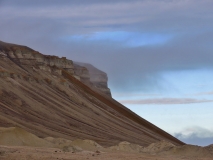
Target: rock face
[
  {"x": 40, "y": 94},
  {"x": 81, "y": 73},
  {"x": 86, "y": 73},
  {"x": 98, "y": 78},
  {"x": 26, "y": 56}
]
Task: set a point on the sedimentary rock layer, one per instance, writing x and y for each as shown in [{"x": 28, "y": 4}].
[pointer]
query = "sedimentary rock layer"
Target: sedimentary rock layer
[
  {"x": 98, "y": 78},
  {"x": 51, "y": 102}
]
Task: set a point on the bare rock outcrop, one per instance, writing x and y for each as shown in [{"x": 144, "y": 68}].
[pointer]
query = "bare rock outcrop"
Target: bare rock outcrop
[
  {"x": 82, "y": 74},
  {"x": 14, "y": 136},
  {"x": 26, "y": 56},
  {"x": 158, "y": 147},
  {"x": 98, "y": 78},
  {"x": 127, "y": 147}
]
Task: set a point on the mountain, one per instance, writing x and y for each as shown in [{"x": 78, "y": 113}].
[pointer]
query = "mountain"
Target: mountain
[{"x": 50, "y": 96}]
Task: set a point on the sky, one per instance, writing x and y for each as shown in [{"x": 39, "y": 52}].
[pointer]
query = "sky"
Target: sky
[{"x": 158, "y": 54}]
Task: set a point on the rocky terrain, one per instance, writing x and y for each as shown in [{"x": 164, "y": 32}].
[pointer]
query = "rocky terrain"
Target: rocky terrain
[
  {"x": 16, "y": 142},
  {"x": 66, "y": 109}
]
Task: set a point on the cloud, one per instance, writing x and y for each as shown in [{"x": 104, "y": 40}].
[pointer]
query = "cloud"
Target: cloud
[
  {"x": 139, "y": 14},
  {"x": 161, "y": 101},
  {"x": 131, "y": 94},
  {"x": 123, "y": 38},
  {"x": 195, "y": 131},
  {"x": 198, "y": 141},
  {"x": 204, "y": 93},
  {"x": 100, "y": 30},
  {"x": 196, "y": 135}
]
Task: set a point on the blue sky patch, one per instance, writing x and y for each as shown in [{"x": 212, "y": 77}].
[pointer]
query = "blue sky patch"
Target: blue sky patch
[{"x": 126, "y": 39}]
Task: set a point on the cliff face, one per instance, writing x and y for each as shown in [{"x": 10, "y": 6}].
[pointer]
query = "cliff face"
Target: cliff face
[
  {"x": 98, "y": 78},
  {"x": 41, "y": 95},
  {"x": 86, "y": 73},
  {"x": 82, "y": 74},
  {"x": 25, "y": 56}
]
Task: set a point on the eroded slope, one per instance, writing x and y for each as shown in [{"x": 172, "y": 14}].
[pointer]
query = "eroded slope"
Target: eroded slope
[{"x": 44, "y": 98}]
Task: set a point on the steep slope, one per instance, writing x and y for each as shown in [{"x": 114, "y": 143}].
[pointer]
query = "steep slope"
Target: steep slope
[{"x": 40, "y": 94}]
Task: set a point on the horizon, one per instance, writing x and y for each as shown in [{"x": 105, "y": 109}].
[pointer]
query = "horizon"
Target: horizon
[{"x": 157, "y": 54}]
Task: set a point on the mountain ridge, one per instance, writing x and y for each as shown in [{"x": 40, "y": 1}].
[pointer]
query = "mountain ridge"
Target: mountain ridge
[{"x": 49, "y": 100}]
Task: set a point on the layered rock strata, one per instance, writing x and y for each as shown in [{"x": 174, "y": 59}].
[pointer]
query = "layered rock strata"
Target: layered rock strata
[
  {"x": 86, "y": 73},
  {"x": 52, "y": 103},
  {"x": 25, "y": 56},
  {"x": 82, "y": 74},
  {"x": 98, "y": 78}
]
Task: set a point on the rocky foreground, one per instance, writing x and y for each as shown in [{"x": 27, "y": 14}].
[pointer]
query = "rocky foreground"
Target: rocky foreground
[{"x": 16, "y": 143}]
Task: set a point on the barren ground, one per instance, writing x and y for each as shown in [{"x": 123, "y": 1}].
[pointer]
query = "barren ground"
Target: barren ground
[{"x": 31, "y": 153}]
